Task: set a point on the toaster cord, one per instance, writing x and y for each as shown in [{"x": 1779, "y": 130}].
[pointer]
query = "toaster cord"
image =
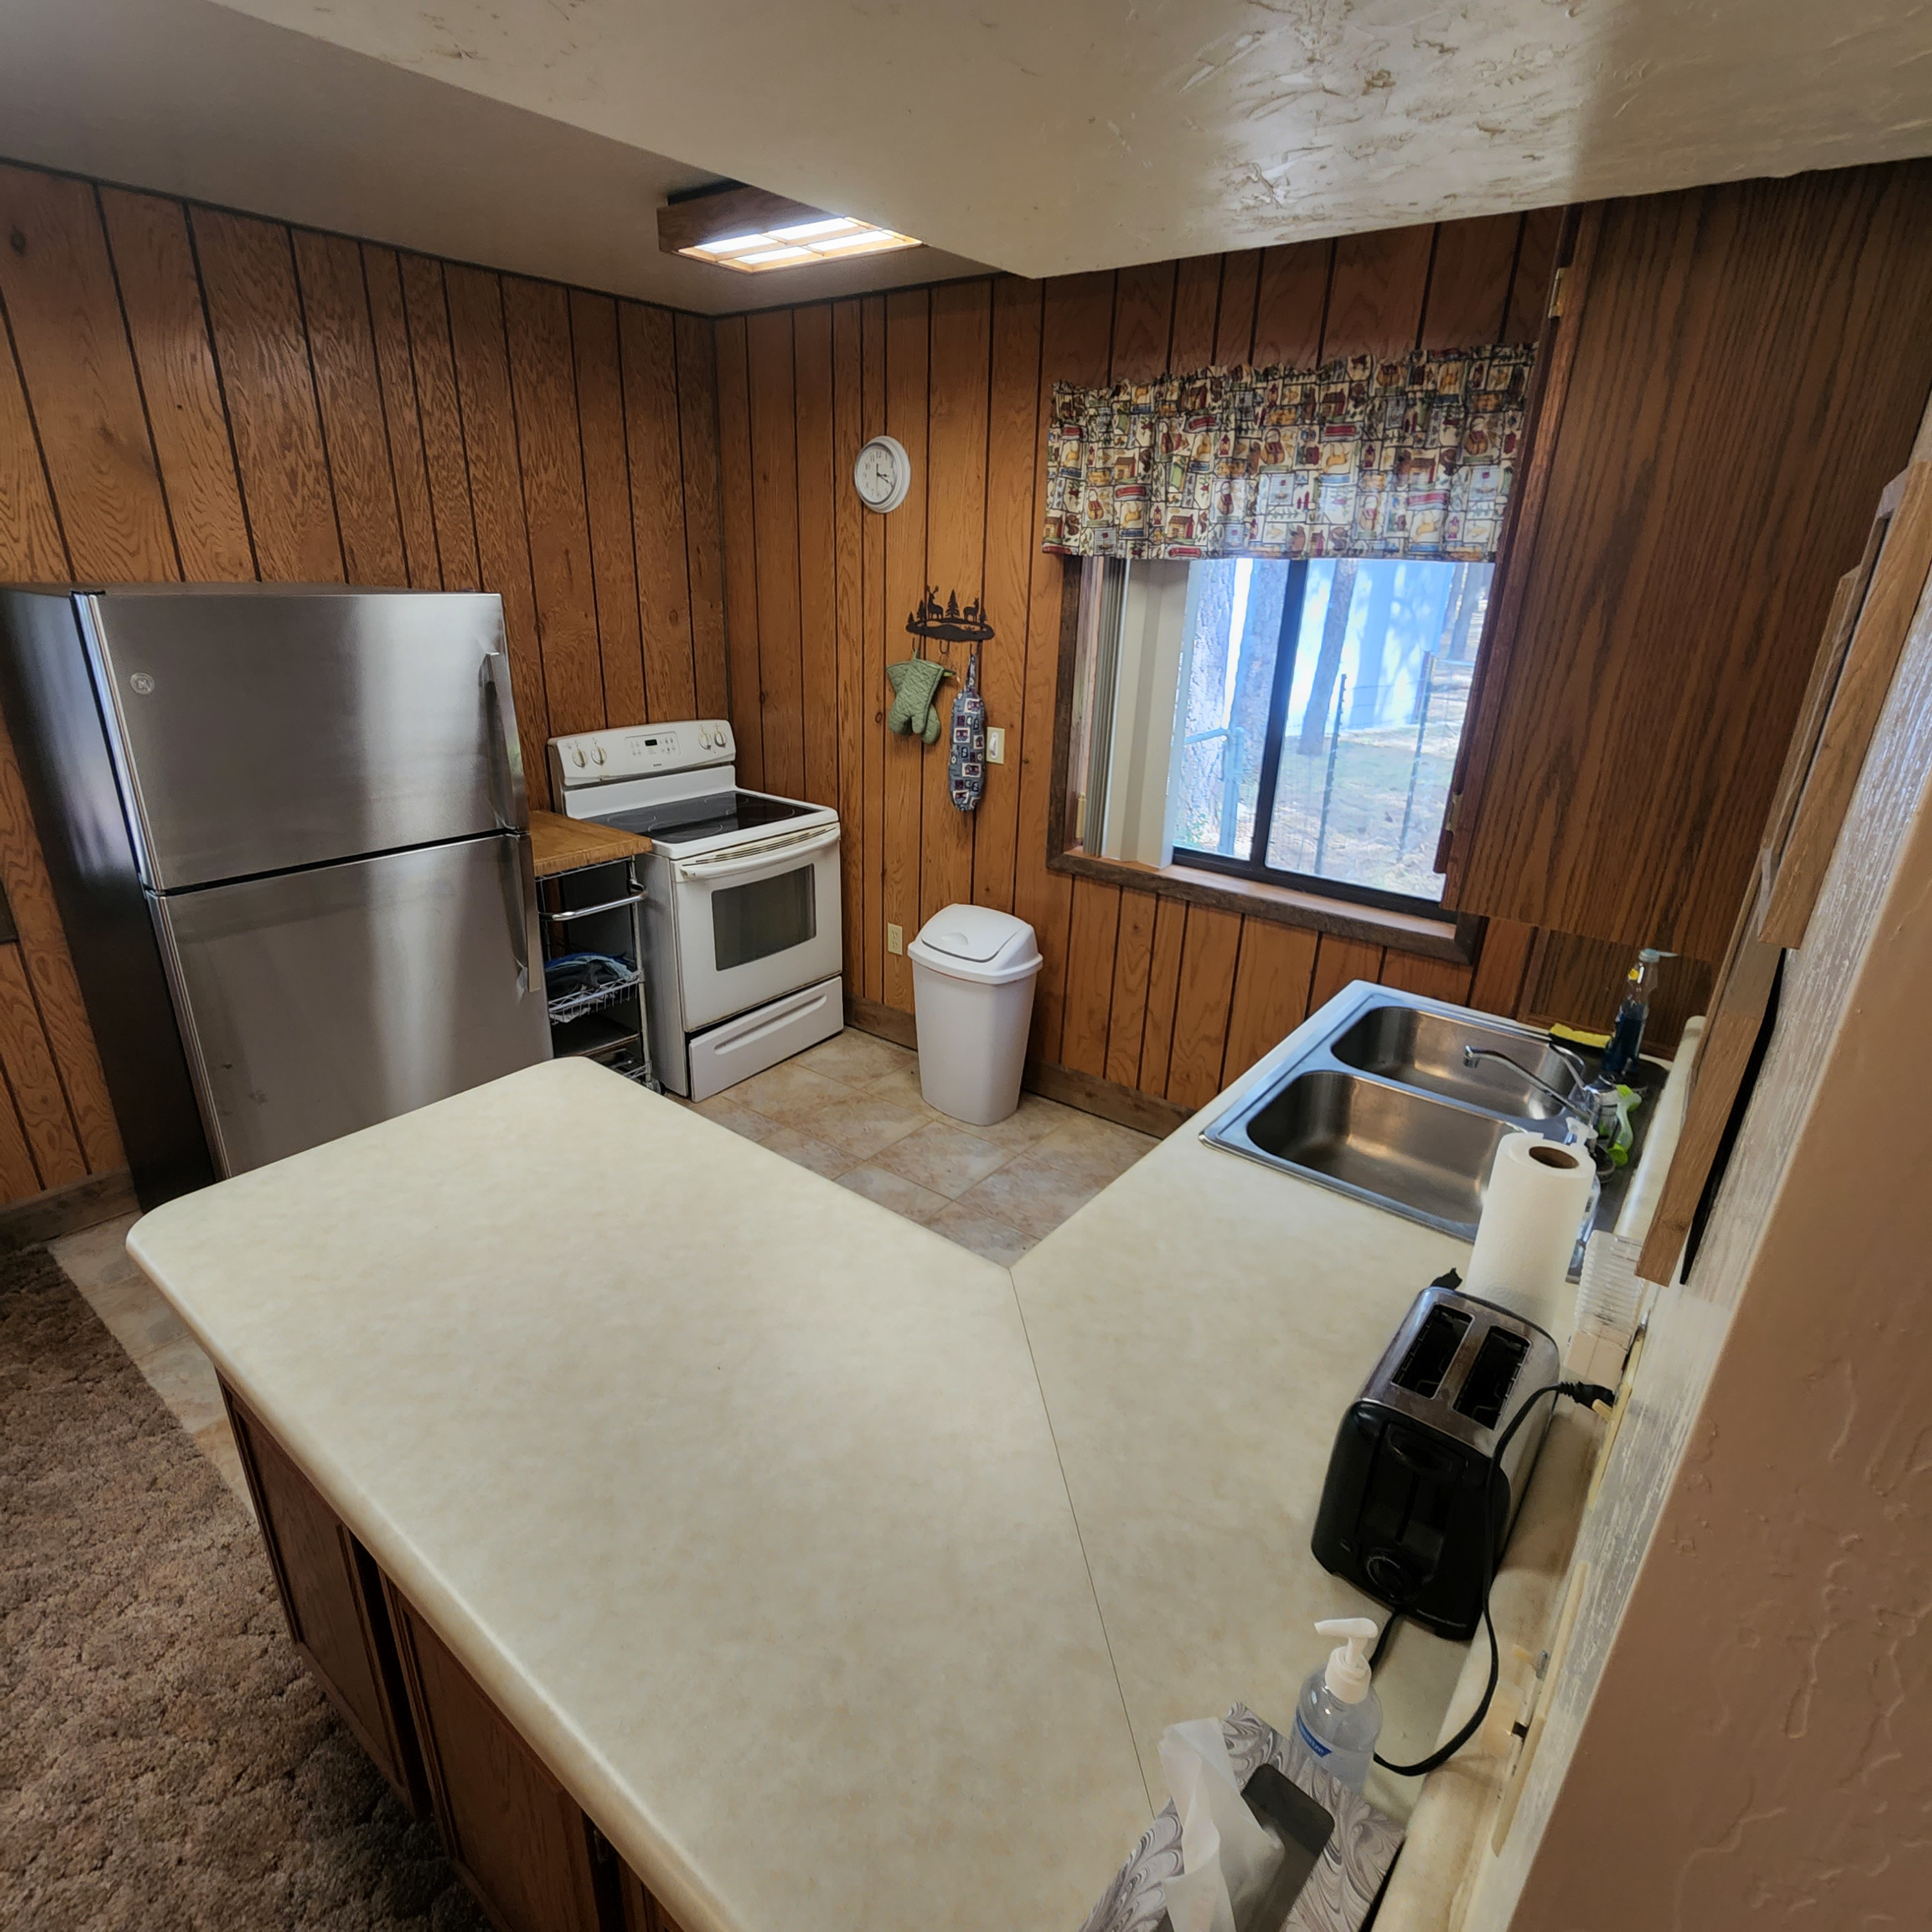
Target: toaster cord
[
  {"x": 1382, "y": 1641},
  {"x": 1586, "y": 1393}
]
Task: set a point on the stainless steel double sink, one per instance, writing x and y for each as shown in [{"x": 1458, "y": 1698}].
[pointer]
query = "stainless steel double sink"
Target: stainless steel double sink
[{"x": 1379, "y": 1104}]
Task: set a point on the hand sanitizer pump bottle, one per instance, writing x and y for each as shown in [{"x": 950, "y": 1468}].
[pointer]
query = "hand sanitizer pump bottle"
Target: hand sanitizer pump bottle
[{"x": 1338, "y": 1716}]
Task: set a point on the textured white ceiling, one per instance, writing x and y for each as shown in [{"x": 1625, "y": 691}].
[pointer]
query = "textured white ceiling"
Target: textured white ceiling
[
  {"x": 191, "y": 98},
  {"x": 1037, "y": 135},
  {"x": 1051, "y": 135}
]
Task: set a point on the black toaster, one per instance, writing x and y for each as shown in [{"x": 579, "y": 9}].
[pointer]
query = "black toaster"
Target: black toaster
[{"x": 1410, "y": 1498}]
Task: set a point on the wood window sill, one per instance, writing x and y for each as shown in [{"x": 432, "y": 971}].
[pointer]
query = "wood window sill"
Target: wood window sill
[{"x": 1453, "y": 937}]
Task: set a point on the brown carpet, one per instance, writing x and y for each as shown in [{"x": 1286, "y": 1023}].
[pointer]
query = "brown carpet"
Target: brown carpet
[{"x": 165, "y": 1762}]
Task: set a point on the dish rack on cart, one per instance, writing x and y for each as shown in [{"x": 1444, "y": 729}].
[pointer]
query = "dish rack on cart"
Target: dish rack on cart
[
  {"x": 568, "y": 1007},
  {"x": 598, "y": 910}
]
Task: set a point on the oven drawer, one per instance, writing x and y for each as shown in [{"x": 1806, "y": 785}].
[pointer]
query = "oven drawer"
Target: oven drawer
[
  {"x": 755, "y": 923},
  {"x": 751, "y": 1043}
]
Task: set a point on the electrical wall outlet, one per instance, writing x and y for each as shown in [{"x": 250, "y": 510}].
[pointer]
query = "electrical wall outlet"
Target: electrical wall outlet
[
  {"x": 895, "y": 938},
  {"x": 996, "y": 745}
]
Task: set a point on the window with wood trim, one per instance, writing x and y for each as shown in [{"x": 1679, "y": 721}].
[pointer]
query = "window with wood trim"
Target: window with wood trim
[{"x": 1292, "y": 722}]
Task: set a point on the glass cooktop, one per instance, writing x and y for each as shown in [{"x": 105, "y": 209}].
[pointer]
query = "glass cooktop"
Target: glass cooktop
[{"x": 685, "y": 820}]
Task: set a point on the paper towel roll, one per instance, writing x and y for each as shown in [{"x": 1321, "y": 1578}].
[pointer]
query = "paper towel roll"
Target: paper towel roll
[{"x": 1532, "y": 1213}]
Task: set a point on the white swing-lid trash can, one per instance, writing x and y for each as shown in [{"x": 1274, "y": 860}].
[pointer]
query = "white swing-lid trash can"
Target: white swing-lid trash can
[{"x": 973, "y": 974}]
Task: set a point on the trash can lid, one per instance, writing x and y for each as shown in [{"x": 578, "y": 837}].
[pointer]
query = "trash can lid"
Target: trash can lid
[{"x": 978, "y": 943}]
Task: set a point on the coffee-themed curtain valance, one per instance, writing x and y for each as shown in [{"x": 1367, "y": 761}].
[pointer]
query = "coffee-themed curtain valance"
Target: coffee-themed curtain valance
[{"x": 1410, "y": 456}]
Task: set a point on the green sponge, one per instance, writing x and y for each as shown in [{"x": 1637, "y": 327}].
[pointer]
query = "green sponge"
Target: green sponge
[{"x": 1628, "y": 1100}]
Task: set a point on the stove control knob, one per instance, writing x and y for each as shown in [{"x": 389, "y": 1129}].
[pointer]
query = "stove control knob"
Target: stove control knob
[
  {"x": 577, "y": 754},
  {"x": 597, "y": 752}
]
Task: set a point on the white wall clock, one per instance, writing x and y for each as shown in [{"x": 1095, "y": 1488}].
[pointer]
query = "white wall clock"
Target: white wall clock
[{"x": 883, "y": 474}]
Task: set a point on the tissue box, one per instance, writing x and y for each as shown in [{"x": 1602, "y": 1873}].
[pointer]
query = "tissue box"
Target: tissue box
[{"x": 1337, "y": 1893}]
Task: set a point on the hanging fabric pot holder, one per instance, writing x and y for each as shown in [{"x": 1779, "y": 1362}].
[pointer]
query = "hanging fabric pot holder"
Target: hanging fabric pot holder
[
  {"x": 966, "y": 768},
  {"x": 915, "y": 683}
]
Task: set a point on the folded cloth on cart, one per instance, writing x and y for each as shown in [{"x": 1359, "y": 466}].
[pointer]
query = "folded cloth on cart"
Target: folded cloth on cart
[{"x": 584, "y": 973}]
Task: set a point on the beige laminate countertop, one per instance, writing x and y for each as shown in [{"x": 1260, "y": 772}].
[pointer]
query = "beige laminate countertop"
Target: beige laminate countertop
[
  {"x": 734, "y": 1490},
  {"x": 844, "y": 1578},
  {"x": 1198, "y": 1329}
]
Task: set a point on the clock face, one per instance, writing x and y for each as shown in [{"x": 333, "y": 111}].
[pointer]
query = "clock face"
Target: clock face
[{"x": 883, "y": 474}]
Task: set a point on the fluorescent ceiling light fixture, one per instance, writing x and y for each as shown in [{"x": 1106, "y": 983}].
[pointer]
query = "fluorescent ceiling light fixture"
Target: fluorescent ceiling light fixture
[
  {"x": 728, "y": 244},
  {"x": 803, "y": 241},
  {"x": 807, "y": 231},
  {"x": 750, "y": 231},
  {"x": 867, "y": 241}
]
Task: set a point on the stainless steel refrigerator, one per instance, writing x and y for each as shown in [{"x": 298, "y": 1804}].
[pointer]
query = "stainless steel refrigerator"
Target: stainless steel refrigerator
[{"x": 287, "y": 834}]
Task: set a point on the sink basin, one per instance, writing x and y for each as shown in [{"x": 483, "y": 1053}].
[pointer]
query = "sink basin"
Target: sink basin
[
  {"x": 1378, "y": 1104},
  {"x": 1420, "y": 1048},
  {"x": 1388, "y": 1143}
]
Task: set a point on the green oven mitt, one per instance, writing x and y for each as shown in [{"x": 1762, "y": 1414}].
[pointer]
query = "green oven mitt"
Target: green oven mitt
[{"x": 915, "y": 683}]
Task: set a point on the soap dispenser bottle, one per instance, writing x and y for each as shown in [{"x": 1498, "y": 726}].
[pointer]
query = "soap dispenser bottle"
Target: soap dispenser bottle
[{"x": 1338, "y": 1716}]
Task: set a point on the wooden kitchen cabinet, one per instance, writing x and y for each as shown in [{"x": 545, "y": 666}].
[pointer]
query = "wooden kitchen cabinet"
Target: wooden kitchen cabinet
[
  {"x": 519, "y": 1839},
  {"x": 1734, "y": 377},
  {"x": 331, "y": 1595},
  {"x": 641, "y": 1912},
  {"x": 1851, "y": 676},
  {"x": 521, "y": 1842}
]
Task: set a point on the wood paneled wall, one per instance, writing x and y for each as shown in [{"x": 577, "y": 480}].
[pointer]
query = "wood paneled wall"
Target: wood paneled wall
[
  {"x": 190, "y": 394},
  {"x": 1751, "y": 362},
  {"x": 1139, "y": 988}
]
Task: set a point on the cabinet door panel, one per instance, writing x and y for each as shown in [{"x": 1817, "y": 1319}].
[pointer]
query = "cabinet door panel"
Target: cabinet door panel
[
  {"x": 641, "y": 1911},
  {"x": 331, "y": 1597},
  {"x": 515, "y": 1834}
]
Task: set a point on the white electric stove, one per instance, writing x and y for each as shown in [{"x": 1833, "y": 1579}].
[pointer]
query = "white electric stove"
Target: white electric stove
[{"x": 741, "y": 897}]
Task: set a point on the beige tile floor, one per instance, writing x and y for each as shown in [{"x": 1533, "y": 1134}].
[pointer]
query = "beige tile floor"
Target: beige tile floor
[
  {"x": 850, "y": 1109},
  {"x": 130, "y": 1307}
]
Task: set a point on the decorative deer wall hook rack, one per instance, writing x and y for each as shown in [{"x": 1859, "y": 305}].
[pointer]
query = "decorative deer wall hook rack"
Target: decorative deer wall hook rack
[{"x": 947, "y": 624}]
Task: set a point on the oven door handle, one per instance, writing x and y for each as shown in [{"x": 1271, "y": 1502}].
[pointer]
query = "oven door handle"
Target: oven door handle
[{"x": 766, "y": 858}]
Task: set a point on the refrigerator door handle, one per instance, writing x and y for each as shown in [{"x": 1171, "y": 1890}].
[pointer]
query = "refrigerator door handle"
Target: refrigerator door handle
[
  {"x": 519, "y": 879},
  {"x": 505, "y": 753}
]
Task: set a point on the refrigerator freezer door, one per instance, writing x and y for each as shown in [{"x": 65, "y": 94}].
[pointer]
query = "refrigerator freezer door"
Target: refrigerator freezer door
[
  {"x": 319, "y": 1002},
  {"x": 263, "y": 730}
]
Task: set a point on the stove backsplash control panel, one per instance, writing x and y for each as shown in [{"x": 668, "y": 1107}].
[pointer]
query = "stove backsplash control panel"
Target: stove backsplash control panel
[{"x": 639, "y": 751}]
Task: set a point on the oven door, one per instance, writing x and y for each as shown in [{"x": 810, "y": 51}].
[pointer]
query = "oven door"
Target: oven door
[{"x": 756, "y": 922}]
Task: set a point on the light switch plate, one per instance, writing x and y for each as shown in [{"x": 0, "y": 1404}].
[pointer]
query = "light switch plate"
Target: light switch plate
[
  {"x": 895, "y": 938},
  {"x": 996, "y": 745}
]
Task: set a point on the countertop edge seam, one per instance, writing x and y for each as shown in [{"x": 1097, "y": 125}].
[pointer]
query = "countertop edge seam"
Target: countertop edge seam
[{"x": 1079, "y": 1536}]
